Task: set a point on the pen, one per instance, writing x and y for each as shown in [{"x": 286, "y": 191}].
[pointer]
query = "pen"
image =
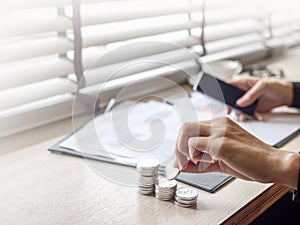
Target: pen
[{"x": 110, "y": 105}]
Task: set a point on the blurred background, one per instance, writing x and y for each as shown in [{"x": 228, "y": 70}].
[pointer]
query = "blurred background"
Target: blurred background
[{"x": 51, "y": 50}]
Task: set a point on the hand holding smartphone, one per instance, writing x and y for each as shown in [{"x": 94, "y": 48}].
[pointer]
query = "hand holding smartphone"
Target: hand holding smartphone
[{"x": 223, "y": 92}]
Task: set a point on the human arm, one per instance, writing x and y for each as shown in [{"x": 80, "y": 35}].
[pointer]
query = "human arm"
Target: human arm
[{"x": 223, "y": 146}]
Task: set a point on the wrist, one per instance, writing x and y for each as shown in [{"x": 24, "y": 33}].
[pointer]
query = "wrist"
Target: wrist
[
  {"x": 288, "y": 97},
  {"x": 287, "y": 172},
  {"x": 296, "y": 95}
]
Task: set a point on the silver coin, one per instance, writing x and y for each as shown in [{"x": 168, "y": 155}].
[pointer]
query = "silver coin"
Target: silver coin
[
  {"x": 148, "y": 180},
  {"x": 147, "y": 164},
  {"x": 183, "y": 205},
  {"x": 164, "y": 199},
  {"x": 188, "y": 202},
  {"x": 147, "y": 170},
  {"x": 172, "y": 188},
  {"x": 164, "y": 193},
  {"x": 167, "y": 184},
  {"x": 186, "y": 193},
  {"x": 147, "y": 188},
  {"x": 149, "y": 173},
  {"x": 166, "y": 189},
  {"x": 145, "y": 192},
  {"x": 145, "y": 184}
]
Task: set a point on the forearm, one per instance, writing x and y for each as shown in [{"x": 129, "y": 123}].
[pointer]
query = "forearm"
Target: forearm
[
  {"x": 287, "y": 168},
  {"x": 296, "y": 95}
]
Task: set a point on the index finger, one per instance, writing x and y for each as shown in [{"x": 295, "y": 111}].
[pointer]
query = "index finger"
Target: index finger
[
  {"x": 181, "y": 159},
  {"x": 244, "y": 83},
  {"x": 187, "y": 131}
]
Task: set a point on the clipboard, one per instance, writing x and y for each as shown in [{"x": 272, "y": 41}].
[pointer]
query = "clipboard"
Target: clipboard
[
  {"x": 209, "y": 182},
  {"x": 56, "y": 148}
]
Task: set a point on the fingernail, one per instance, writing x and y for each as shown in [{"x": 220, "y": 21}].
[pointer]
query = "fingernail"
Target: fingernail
[
  {"x": 175, "y": 164},
  {"x": 260, "y": 118},
  {"x": 202, "y": 166},
  {"x": 182, "y": 164},
  {"x": 185, "y": 166},
  {"x": 239, "y": 102},
  {"x": 193, "y": 161},
  {"x": 240, "y": 118}
]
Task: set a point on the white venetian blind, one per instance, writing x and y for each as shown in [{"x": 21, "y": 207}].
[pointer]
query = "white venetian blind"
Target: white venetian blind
[
  {"x": 233, "y": 29},
  {"x": 212, "y": 29},
  {"x": 34, "y": 69},
  {"x": 120, "y": 33},
  {"x": 47, "y": 47},
  {"x": 284, "y": 29}
]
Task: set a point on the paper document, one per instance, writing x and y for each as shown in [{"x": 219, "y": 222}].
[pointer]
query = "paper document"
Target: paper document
[
  {"x": 150, "y": 129},
  {"x": 147, "y": 130},
  {"x": 275, "y": 128}
]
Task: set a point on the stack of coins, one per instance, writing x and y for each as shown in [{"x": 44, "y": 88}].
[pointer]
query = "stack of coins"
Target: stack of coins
[
  {"x": 186, "y": 197},
  {"x": 165, "y": 190},
  {"x": 148, "y": 170}
]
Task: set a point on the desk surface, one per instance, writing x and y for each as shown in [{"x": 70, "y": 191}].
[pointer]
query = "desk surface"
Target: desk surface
[{"x": 37, "y": 186}]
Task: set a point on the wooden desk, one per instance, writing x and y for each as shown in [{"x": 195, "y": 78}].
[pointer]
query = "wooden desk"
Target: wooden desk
[{"x": 38, "y": 187}]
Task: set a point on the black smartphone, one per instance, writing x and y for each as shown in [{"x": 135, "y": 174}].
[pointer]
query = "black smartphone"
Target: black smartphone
[{"x": 224, "y": 92}]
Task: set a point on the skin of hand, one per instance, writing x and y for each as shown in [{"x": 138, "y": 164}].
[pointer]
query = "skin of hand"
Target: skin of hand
[
  {"x": 221, "y": 145},
  {"x": 270, "y": 92}
]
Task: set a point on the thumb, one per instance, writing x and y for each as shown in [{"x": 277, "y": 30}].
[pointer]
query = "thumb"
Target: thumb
[{"x": 251, "y": 95}]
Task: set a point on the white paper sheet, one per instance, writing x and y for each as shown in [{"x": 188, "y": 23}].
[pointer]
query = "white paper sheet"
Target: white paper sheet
[{"x": 150, "y": 129}]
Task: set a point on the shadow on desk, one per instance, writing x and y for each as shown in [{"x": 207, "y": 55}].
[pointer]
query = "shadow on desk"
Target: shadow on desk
[
  {"x": 284, "y": 211},
  {"x": 35, "y": 136}
]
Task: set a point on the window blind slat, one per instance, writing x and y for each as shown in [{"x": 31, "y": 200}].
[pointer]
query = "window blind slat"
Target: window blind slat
[
  {"x": 122, "y": 69},
  {"x": 133, "y": 51},
  {"x": 224, "y": 44},
  {"x": 184, "y": 68},
  {"x": 22, "y": 73},
  {"x": 220, "y": 4},
  {"x": 126, "y": 33},
  {"x": 118, "y": 13},
  {"x": 235, "y": 53},
  {"x": 225, "y": 15},
  {"x": 278, "y": 20},
  {"x": 217, "y": 32},
  {"x": 14, "y": 75},
  {"x": 97, "y": 1},
  {"x": 35, "y": 48},
  {"x": 281, "y": 44},
  {"x": 31, "y": 4},
  {"x": 32, "y": 92},
  {"x": 283, "y": 31},
  {"x": 12, "y": 28}
]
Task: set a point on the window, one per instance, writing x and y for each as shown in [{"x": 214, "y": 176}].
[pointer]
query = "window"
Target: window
[{"x": 50, "y": 50}]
